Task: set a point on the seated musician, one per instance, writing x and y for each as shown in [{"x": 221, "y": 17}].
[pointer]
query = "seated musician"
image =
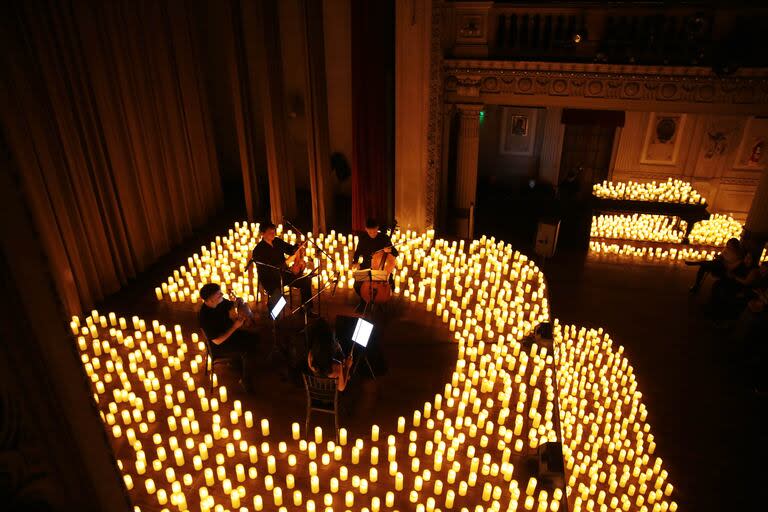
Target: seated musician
[
  {"x": 372, "y": 241},
  {"x": 224, "y": 334},
  {"x": 326, "y": 357},
  {"x": 269, "y": 253}
]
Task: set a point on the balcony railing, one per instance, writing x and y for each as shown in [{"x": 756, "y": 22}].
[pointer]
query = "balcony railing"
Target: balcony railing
[{"x": 615, "y": 34}]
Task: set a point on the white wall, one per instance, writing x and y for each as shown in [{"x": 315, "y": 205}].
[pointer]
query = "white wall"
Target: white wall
[{"x": 727, "y": 187}]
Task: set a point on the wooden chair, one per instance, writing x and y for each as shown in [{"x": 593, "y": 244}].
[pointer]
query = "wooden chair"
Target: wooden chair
[
  {"x": 212, "y": 360},
  {"x": 322, "y": 396}
]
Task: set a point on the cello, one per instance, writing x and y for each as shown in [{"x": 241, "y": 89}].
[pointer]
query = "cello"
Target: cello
[{"x": 379, "y": 291}]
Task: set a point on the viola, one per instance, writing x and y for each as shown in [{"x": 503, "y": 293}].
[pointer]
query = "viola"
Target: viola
[{"x": 240, "y": 309}]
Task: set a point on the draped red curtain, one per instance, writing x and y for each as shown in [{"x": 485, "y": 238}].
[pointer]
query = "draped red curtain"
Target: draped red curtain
[
  {"x": 370, "y": 51},
  {"x": 102, "y": 105}
]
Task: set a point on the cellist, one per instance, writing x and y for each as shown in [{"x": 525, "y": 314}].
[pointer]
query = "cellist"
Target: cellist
[
  {"x": 269, "y": 253},
  {"x": 369, "y": 243}
]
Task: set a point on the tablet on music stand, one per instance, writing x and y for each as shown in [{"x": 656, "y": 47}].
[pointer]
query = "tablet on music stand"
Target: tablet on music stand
[
  {"x": 362, "y": 333},
  {"x": 276, "y": 306}
]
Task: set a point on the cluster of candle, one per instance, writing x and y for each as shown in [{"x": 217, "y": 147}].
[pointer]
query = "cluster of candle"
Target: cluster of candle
[
  {"x": 715, "y": 231},
  {"x": 646, "y": 227},
  {"x": 655, "y": 254},
  {"x": 226, "y": 261},
  {"x": 670, "y": 191},
  {"x": 463, "y": 449},
  {"x": 608, "y": 446}
]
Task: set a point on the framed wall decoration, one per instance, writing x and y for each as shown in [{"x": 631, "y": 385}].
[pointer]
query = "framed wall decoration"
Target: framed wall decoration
[
  {"x": 518, "y": 131},
  {"x": 662, "y": 139},
  {"x": 754, "y": 144}
]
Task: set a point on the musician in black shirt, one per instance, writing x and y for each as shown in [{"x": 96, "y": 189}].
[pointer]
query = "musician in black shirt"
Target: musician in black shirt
[
  {"x": 224, "y": 334},
  {"x": 270, "y": 252},
  {"x": 371, "y": 242}
]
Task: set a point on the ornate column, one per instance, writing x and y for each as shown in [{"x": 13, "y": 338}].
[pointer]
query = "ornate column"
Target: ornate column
[
  {"x": 268, "y": 75},
  {"x": 756, "y": 228},
  {"x": 467, "y": 148},
  {"x": 552, "y": 146},
  {"x": 413, "y": 20}
]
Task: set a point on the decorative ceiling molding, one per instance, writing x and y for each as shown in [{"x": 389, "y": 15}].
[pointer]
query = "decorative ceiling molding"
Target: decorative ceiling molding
[{"x": 595, "y": 82}]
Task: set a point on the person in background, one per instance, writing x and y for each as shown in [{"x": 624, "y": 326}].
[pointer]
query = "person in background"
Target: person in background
[
  {"x": 224, "y": 334},
  {"x": 727, "y": 261},
  {"x": 326, "y": 357}
]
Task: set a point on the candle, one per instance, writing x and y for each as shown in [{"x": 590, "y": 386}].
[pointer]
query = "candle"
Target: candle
[
  {"x": 264, "y": 427},
  {"x": 296, "y": 431},
  {"x": 314, "y": 484},
  {"x": 450, "y": 496}
]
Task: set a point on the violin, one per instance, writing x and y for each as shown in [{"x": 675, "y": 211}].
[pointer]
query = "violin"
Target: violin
[
  {"x": 380, "y": 291},
  {"x": 296, "y": 262}
]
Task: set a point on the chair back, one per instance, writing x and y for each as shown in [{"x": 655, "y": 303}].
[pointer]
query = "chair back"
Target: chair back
[
  {"x": 321, "y": 390},
  {"x": 208, "y": 351}
]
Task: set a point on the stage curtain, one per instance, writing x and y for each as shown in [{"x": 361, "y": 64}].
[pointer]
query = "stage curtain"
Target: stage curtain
[
  {"x": 102, "y": 105},
  {"x": 369, "y": 116}
]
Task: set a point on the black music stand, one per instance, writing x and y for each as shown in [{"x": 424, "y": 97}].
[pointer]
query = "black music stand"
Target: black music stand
[
  {"x": 346, "y": 331},
  {"x": 303, "y": 306}
]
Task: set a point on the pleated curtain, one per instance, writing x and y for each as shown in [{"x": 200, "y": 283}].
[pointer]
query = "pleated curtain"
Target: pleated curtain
[{"x": 103, "y": 109}]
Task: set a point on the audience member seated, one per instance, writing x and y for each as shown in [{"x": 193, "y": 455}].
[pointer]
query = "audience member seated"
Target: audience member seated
[
  {"x": 223, "y": 332},
  {"x": 749, "y": 333},
  {"x": 725, "y": 262},
  {"x": 326, "y": 357},
  {"x": 730, "y": 292}
]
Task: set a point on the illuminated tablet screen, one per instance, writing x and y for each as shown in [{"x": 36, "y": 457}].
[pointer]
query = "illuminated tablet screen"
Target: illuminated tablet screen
[
  {"x": 277, "y": 308},
  {"x": 362, "y": 332}
]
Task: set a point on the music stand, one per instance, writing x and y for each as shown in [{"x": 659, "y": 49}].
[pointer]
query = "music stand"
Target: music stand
[
  {"x": 358, "y": 331},
  {"x": 304, "y": 304},
  {"x": 275, "y": 305}
]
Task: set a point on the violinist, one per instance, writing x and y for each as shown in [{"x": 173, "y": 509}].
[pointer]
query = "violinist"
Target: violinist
[
  {"x": 269, "y": 253},
  {"x": 368, "y": 244}
]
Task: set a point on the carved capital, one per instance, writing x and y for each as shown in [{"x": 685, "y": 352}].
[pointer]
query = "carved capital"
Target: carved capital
[{"x": 468, "y": 85}]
